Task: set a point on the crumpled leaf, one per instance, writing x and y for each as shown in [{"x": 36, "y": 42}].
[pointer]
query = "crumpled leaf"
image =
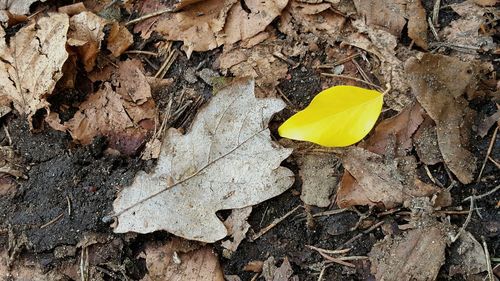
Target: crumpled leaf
[
  {"x": 371, "y": 179},
  {"x": 417, "y": 255},
  {"x": 227, "y": 160},
  {"x": 283, "y": 273},
  {"x": 86, "y": 33},
  {"x": 439, "y": 83},
  {"x": 119, "y": 39},
  {"x": 237, "y": 227},
  {"x": 467, "y": 256},
  {"x": 31, "y": 64},
  {"x": 166, "y": 262},
  {"x": 338, "y": 116},
  {"x": 318, "y": 178}
]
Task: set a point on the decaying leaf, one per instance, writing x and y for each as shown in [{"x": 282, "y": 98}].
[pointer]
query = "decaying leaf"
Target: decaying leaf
[
  {"x": 398, "y": 129},
  {"x": 237, "y": 227},
  {"x": 389, "y": 15},
  {"x": 256, "y": 62},
  {"x": 86, "y": 33},
  {"x": 125, "y": 113},
  {"x": 166, "y": 262},
  {"x": 226, "y": 161},
  {"x": 282, "y": 273},
  {"x": 485, "y": 124},
  {"x": 467, "y": 256},
  {"x": 426, "y": 143},
  {"x": 119, "y": 39},
  {"x": 371, "y": 179},
  {"x": 9, "y": 164},
  {"x": 417, "y": 255},
  {"x": 23, "y": 270},
  {"x": 417, "y": 23},
  {"x": 318, "y": 178},
  {"x": 13, "y": 8},
  {"x": 31, "y": 64},
  {"x": 439, "y": 83}
]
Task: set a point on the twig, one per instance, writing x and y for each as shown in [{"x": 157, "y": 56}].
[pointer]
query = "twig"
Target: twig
[
  {"x": 109, "y": 217},
  {"x": 273, "y": 224},
  {"x": 429, "y": 174},
  {"x": 488, "y": 152},
  {"x": 494, "y": 162},
  {"x": 353, "y": 258},
  {"x": 491, "y": 277},
  {"x": 433, "y": 29},
  {"x": 52, "y": 221},
  {"x": 166, "y": 64},
  {"x": 145, "y": 17},
  {"x": 326, "y": 251},
  {"x": 330, "y": 212},
  {"x": 352, "y": 78},
  {"x": 322, "y": 272},
  {"x": 286, "y": 99},
  {"x": 335, "y": 260},
  {"x": 467, "y": 220},
  {"x": 7, "y": 134},
  {"x": 361, "y": 71},
  {"x": 476, "y": 197},
  {"x": 435, "y": 12},
  {"x": 372, "y": 228},
  {"x": 285, "y": 59},
  {"x": 339, "y": 62},
  {"x": 139, "y": 52},
  {"x": 84, "y": 260},
  {"x": 69, "y": 205},
  {"x": 254, "y": 278}
]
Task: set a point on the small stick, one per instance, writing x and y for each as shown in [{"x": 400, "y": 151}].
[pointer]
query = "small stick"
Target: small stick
[
  {"x": 330, "y": 212},
  {"x": 52, "y": 221},
  {"x": 491, "y": 277},
  {"x": 7, "y": 134},
  {"x": 145, "y": 17},
  {"x": 336, "y": 260},
  {"x": 326, "y": 251},
  {"x": 353, "y": 258},
  {"x": 429, "y": 174},
  {"x": 166, "y": 64},
  {"x": 488, "y": 152},
  {"x": 433, "y": 29},
  {"x": 341, "y": 61},
  {"x": 254, "y": 278},
  {"x": 476, "y": 197},
  {"x": 285, "y": 59},
  {"x": 373, "y": 227},
  {"x": 361, "y": 71},
  {"x": 351, "y": 78},
  {"x": 286, "y": 99},
  {"x": 322, "y": 272},
  {"x": 467, "y": 220},
  {"x": 69, "y": 205},
  {"x": 273, "y": 224},
  {"x": 494, "y": 162},
  {"x": 435, "y": 13},
  {"x": 139, "y": 52}
]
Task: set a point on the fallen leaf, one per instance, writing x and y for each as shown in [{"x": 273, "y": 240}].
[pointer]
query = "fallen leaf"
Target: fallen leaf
[
  {"x": 416, "y": 255},
  {"x": 8, "y": 186},
  {"x": 338, "y": 116},
  {"x": 254, "y": 266},
  {"x": 257, "y": 62},
  {"x": 237, "y": 227},
  {"x": 165, "y": 263},
  {"x": 371, "y": 179},
  {"x": 10, "y": 8},
  {"x": 146, "y": 27},
  {"x": 439, "y": 83},
  {"x": 467, "y": 256},
  {"x": 31, "y": 64},
  {"x": 9, "y": 163},
  {"x": 23, "y": 270},
  {"x": 486, "y": 2},
  {"x": 86, "y": 33},
  {"x": 125, "y": 114},
  {"x": 417, "y": 23},
  {"x": 389, "y": 15},
  {"x": 119, "y": 39},
  {"x": 282, "y": 273},
  {"x": 400, "y": 127},
  {"x": 318, "y": 178},
  {"x": 72, "y": 9},
  {"x": 486, "y": 124},
  {"x": 426, "y": 143},
  {"x": 226, "y": 161}
]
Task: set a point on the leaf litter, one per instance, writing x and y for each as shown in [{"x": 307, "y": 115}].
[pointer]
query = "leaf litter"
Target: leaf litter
[{"x": 117, "y": 115}]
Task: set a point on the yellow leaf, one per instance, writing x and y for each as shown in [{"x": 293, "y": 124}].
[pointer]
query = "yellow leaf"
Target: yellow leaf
[{"x": 338, "y": 116}]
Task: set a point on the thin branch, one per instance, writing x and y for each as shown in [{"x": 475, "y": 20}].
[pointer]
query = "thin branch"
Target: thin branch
[
  {"x": 145, "y": 17},
  {"x": 273, "y": 224},
  {"x": 488, "y": 152},
  {"x": 476, "y": 197},
  {"x": 467, "y": 220},
  {"x": 491, "y": 277}
]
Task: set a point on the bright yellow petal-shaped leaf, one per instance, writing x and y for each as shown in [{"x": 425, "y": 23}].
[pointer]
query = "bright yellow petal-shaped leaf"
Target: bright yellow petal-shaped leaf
[{"x": 336, "y": 117}]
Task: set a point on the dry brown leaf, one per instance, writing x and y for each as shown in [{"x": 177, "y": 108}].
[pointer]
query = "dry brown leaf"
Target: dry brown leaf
[
  {"x": 370, "y": 179},
  {"x": 257, "y": 62},
  {"x": 398, "y": 129},
  {"x": 417, "y": 255},
  {"x": 282, "y": 273},
  {"x": 147, "y": 26},
  {"x": 119, "y": 39},
  {"x": 426, "y": 143},
  {"x": 226, "y": 161},
  {"x": 165, "y": 263},
  {"x": 125, "y": 115},
  {"x": 9, "y": 163},
  {"x": 254, "y": 266},
  {"x": 72, "y": 9},
  {"x": 31, "y": 64},
  {"x": 22, "y": 270},
  {"x": 467, "y": 256},
  {"x": 12, "y": 8},
  {"x": 486, "y": 2},
  {"x": 439, "y": 83},
  {"x": 318, "y": 174},
  {"x": 237, "y": 227},
  {"x": 86, "y": 33},
  {"x": 417, "y": 23},
  {"x": 487, "y": 123},
  {"x": 389, "y": 15},
  {"x": 299, "y": 18}
]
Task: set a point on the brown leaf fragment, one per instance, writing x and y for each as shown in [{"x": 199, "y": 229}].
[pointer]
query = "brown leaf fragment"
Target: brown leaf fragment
[
  {"x": 417, "y": 23},
  {"x": 426, "y": 143},
  {"x": 416, "y": 255},
  {"x": 119, "y": 39},
  {"x": 254, "y": 266},
  {"x": 439, "y": 83},
  {"x": 467, "y": 256},
  {"x": 488, "y": 122},
  {"x": 318, "y": 178},
  {"x": 400, "y": 127},
  {"x": 237, "y": 227},
  {"x": 486, "y": 2},
  {"x": 25, "y": 270},
  {"x": 165, "y": 263},
  {"x": 17, "y": 7},
  {"x": 86, "y": 33},
  {"x": 389, "y": 15},
  {"x": 282, "y": 273},
  {"x": 9, "y": 163},
  {"x": 31, "y": 64},
  {"x": 370, "y": 180},
  {"x": 146, "y": 27},
  {"x": 72, "y": 9}
]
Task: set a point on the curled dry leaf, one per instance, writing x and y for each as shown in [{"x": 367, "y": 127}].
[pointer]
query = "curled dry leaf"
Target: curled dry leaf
[
  {"x": 165, "y": 262},
  {"x": 318, "y": 174},
  {"x": 119, "y": 39},
  {"x": 31, "y": 64},
  {"x": 226, "y": 161},
  {"x": 370, "y": 180},
  {"x": 439, "y": 83},
  {"x": 258, "y": 63},
  {"x": 417, "y": 255},
  {"x": 86, "y": 33}
]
